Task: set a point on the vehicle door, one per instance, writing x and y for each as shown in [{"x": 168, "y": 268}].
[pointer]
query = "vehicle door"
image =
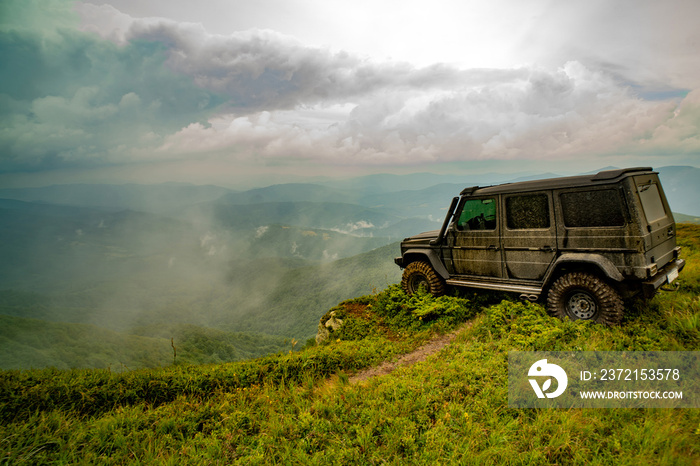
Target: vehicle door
[
  {"x": 659, "y": 231},
  {"x": 476, "y": 246},
  {"x": 529, "y": 235}
]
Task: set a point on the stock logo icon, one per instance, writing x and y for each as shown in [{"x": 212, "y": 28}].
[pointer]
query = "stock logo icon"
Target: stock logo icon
[{"x": 543, "y": 369}]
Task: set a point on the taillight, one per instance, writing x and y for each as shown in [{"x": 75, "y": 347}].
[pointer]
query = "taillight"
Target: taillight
[{"x": 651, "y": 270}]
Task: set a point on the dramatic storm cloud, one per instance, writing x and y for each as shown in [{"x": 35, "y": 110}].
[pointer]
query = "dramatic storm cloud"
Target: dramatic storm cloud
[{"x": 123, "y": 84}]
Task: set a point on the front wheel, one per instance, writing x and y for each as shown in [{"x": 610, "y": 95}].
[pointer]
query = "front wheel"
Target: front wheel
[
  {"x": 421, "y": 274},
  {"x": 582, "y": 296}
]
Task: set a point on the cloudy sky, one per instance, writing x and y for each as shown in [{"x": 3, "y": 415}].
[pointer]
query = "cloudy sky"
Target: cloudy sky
[{"x": 242, "y": 93}]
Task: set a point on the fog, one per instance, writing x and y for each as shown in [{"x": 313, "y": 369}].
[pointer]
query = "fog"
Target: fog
[{"x": 150, "y": 263}]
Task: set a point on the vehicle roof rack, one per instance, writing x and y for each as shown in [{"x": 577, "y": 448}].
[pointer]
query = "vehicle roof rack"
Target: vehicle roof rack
[
  {"x": 612, "y": 174},
  {"x": 468, "y": 191}
]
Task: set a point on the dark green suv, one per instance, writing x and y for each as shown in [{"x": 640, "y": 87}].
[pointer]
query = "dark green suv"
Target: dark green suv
[{"x": 584, "y": 243}]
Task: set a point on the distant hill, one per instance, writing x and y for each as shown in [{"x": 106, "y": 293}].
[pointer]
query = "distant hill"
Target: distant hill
[
  {"x": 292, "y": 192},
  {"x": 31, "y": 343},
  {"x": 423, "y": 194},
  {"x": 427, "y": 203},
  {"x": 386, "y": 183},
  {"x": 686, "y": 218},
  {"x": 342, "y": 217},
  {"x": 371, "y": 190},
  {"x": 682, "y": 188},
  {"x": 159, "y": 198}
]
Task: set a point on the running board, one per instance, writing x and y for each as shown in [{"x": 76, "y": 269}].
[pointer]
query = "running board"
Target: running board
[{"x": 529, "y": 292}]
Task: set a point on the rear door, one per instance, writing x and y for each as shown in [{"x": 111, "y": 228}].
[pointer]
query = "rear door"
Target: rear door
[
  {"x": 661, "y": 238},
  {"x": 529, "y": 235}
]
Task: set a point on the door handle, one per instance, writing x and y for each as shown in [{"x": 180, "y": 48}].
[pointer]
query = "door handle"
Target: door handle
[
  {"x": 547, "y": 249},
  {"x": 492, "y": 248}
]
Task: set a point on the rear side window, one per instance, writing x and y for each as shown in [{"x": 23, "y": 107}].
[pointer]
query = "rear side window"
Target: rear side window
[
  {"x": 651, "y": 202},
  {"x": 599, "y": 208},
  {"x": 527, "y": 212}
]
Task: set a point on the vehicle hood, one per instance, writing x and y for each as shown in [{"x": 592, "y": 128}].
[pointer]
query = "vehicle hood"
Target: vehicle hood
[{"x": 421, "y": 238}]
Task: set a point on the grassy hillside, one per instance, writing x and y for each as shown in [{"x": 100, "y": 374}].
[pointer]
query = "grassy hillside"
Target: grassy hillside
[
  {"x": 299, "y": 407},
  {"x": 681, "y": 218},
  {"x": 26, "y": 343}
]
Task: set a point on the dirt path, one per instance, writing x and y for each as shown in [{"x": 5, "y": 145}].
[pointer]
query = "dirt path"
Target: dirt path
[{"x": 416, "y": 356}]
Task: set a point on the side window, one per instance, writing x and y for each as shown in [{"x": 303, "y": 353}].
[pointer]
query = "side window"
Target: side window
[
  {"x": 478, "y": 214},
  {"x": 599, "y": 208},
  {"x": 527, "y": 212}
]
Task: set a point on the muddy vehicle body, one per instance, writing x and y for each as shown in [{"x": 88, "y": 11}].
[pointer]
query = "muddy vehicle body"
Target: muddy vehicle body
[{"x": 582, "y": 243}]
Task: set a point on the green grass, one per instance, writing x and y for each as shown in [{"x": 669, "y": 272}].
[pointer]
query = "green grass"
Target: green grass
[{"x": 299, "y": 408}]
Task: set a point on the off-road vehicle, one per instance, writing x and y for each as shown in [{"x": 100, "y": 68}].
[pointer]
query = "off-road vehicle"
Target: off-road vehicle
[{"x": 583, "y": 243}]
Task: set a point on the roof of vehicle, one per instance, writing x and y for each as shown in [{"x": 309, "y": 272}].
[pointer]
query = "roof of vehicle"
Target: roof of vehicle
[{"x": 602, "y": 177}]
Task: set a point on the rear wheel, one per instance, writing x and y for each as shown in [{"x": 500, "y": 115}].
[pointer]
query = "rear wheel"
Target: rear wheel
[
  {"x": 582, "y": 296},
  {"x": 421, "y": 274}
]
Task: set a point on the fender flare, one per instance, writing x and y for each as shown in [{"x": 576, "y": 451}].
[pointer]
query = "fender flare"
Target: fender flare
[
  {"x": 432, "y": 258},
  {"x": 604, "y": 264}
]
